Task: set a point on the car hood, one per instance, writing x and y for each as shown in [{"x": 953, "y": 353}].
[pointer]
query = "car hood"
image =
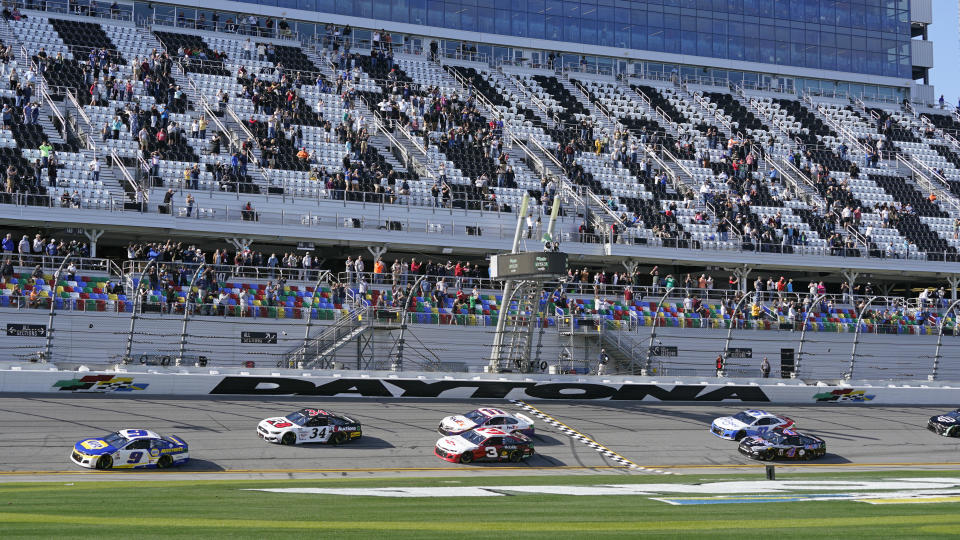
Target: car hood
[
  {"x": 754, "y": 441},
  {"x": 455, "y": 444},
  {"x": 271, "y": 423},
  {"x": 945, "y": 419},
  {"x": 728, "y": 422},
  {"x": 94, "y": 447},
  {"x": 458, "y": 423}
]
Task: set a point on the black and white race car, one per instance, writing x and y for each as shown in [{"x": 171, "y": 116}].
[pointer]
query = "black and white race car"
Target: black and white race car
[
  {"x": 947, "y": 424},
  {"x": 309, "y": 426},
  {"x": 783, "y": 444}
]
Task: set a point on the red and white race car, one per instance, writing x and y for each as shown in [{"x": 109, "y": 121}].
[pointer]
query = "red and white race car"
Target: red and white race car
[
  {"x": 484, "y": 444},
  {"x": 486, "y": 417}
]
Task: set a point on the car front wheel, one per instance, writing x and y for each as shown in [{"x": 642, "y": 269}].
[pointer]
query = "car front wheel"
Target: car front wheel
[
  {"x": 105, "y": 462},
  {"x": 740, "y": 435},
  {"x": 466, "y": 457},
  {"x": 289, "y": 438}
]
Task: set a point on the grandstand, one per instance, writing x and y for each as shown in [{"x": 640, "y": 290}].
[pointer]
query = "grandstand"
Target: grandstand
[{"x": 293, "y": 138}]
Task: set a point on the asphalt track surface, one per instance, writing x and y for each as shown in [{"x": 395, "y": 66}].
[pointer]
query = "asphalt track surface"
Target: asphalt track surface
[{"x": 38, "y": 432}]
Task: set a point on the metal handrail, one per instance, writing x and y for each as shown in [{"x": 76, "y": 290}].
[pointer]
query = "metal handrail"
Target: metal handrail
[
  {"x": 118, "y": 164},
  {"x": 943, "y": 191}
]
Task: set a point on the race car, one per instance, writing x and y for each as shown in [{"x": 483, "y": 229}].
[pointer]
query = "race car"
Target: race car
[
  {"x": 947, "y": 424},
  {"x": 130, "y": 449},
  {"x": 486, "y": 417},
  {"x": 752, "y": 422},
  {"x": 309, "y": 426},
  {"x": 484, "y": 444},
  {"x": 783, "y": 443}
]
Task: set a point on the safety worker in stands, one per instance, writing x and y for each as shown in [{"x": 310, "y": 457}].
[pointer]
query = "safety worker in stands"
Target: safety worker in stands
[{"x": 602, "y": 362}]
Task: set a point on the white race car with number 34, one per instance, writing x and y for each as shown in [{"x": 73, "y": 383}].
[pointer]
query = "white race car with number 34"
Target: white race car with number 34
[{"x": 309, "y": 426}]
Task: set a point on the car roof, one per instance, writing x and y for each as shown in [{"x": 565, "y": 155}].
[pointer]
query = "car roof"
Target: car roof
[
  {"x": 134, "y": 434},
  {"x": 311, "y": 412},
  {"x": 758, "y": 413},
  {"x": 491, "y": 411},
  {"x": 491, "y": 432}
]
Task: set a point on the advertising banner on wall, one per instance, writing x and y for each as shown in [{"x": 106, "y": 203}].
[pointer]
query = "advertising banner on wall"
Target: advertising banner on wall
[{"x": 348, "y": 385}]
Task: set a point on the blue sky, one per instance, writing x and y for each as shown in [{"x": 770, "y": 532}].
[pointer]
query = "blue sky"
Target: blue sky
[{"x": 945, "y": 76}]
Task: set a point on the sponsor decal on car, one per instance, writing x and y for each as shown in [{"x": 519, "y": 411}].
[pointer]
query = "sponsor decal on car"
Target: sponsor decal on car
[
  {"x": 100, "y": 384},
  {"x": 844, "y": 394}
]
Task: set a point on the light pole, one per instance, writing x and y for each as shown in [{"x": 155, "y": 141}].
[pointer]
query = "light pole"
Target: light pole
[
  {"x": 803, "y": 333},
  {"x": 936, "y": 355},
  {"x": 856, "y": 339},
  {"x": 53, "y": 301},
  {"x": 133, "y": 316}
]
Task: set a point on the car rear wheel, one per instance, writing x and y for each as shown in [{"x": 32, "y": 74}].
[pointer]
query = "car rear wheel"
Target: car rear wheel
[
  {"x": 466, "y": 457},
  {"x": 740, "y": 435},
  {"x": 165, "y": 462},
  {"x": 289, "y": 438},
  {"x": 516, "y": 456},
  {"x": 105, "y": 462},
  {"x": 338, "y": 438}
]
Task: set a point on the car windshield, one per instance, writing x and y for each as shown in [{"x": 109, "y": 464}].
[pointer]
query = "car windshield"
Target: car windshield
[
  {"x": 745, "y": 418},
  {"x": 775, "y": 437},
  {"x": 476, "y": 417},
  {"x": 474, "y": 437},
  {"x": 115, "y": 439},
  {"x": 297, "y": 418}
]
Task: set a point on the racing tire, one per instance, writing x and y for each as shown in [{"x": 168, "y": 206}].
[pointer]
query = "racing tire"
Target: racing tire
[
  {"x": 766, "y": 456},
  {"x": 165, "y": 462},
  {"x": 516, "y": 456},
  {"x": 953, "y": 431},
  {"x": 104, "y": 463},
  {"x": 338, "y": 438},
  {"x": 466, "y": 457},
  {"x": 739, "y": 436},
  {"x": 289, "y": 438}
]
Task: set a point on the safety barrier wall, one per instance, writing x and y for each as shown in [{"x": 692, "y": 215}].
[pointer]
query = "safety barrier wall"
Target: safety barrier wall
[{"x": 194, "y": 382}]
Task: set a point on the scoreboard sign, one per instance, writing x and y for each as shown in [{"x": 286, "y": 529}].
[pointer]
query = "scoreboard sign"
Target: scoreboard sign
[{"x": 532, "y": 265}]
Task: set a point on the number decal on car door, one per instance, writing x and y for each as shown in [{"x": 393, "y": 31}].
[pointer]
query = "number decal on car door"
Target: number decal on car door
[
  {"x": 491, "y": 452},
  {"x": 321, "y": 433},
  {"x": 134, "y": 457}
]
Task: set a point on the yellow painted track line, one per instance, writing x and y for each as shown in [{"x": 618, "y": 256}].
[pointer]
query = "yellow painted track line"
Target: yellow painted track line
[{"x": 583, "y": 438}]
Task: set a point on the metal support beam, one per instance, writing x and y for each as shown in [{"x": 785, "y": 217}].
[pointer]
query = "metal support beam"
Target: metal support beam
[
  {"x": 653, "y": 335},
  {"x": 851, "y": 277},
  {"x": 92, "y": 236},
  {"x": 377, "y": 251},
  {"x": 240, "y": 244},
  {"x": 856, "y": 339},
  {"x": 953, "y": 281},
  {"x": 741, "y": 273},
  {"x": 631, "y": 265}
]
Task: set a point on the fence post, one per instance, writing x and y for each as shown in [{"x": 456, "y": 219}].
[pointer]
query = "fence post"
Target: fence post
[{"x": 803, "y": 333}]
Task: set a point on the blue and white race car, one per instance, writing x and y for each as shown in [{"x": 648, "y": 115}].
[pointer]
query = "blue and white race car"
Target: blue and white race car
[
  {"x": 130, "y": 449},
  {"x": 486, "y": 417},
  {"x": 748, "y": 424}
]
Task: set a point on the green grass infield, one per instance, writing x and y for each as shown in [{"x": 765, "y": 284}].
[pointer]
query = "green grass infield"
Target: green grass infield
[{"x": 209, "y": 508}]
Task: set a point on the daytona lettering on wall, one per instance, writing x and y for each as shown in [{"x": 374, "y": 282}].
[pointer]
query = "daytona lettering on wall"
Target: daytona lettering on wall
[{"x": 485, "y": 389}]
